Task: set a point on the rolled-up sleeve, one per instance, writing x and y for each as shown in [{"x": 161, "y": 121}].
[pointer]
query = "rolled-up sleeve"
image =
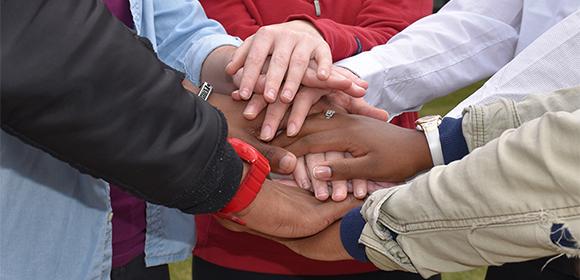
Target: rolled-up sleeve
[{"x": 185, "y": 36}]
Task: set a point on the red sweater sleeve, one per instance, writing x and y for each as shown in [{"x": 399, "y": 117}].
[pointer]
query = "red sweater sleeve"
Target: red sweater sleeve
[
  {"x": 377, "y": 22},
  {"x": 238, "y": 17}
]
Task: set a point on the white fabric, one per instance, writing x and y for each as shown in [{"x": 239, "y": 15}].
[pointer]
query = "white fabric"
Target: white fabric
[{"x": 469, "y": 40}]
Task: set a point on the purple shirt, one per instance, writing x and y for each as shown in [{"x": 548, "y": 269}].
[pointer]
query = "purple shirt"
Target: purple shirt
[{"x": 129, "y": 218}]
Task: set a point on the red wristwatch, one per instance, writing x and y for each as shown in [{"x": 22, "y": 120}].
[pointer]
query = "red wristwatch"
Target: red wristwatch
[{"x": 252, "y": 183}]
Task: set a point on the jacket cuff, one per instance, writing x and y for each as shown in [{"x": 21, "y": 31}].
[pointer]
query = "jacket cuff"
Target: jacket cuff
[
  {"x": 452, "y": 140},
  {"x": 351, "y": 228},
  {"x": 220, "y": 180}
]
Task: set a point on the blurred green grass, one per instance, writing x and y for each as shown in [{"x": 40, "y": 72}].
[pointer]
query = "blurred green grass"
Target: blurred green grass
[{"x": 182, "y": 270}]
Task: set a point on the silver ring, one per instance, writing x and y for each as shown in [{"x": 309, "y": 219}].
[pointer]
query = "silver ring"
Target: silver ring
[{"x": 329, "y": 114}]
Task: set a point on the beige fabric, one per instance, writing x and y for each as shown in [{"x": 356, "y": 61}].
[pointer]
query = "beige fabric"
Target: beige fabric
[
  {"x": 482, "y": 124},
  {"x": 496, "y": 205}
]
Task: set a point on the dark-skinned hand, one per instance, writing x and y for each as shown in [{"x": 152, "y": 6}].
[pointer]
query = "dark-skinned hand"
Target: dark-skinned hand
[{"x": 381, "y": 151}]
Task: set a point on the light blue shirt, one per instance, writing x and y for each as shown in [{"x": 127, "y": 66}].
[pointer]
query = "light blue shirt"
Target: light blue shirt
[{"x": 55, "y": 223}]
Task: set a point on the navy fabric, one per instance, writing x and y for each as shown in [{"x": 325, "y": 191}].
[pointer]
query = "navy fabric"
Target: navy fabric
[
  {"x": 351, "y": 228},
  {"x": 452, "y": 140}
]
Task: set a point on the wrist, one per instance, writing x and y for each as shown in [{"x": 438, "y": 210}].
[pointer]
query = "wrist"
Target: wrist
[
  {"x": 420, "y": 152},
  {"x": 251, "y": 183},
  {"x": 308, "y": 27},
  {"x": 213, "y": 68}
]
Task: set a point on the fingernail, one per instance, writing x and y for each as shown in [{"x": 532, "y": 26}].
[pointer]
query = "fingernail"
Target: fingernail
[
  {"x": 292, "y": 130},
  {"x": 324, "y": 73},
  {"x": 287, "y": 162},
  {"x": 245, "y": 93},
  {"x": 266, "y": 133},
  {"x": 271, "y": 94},
  {"x": 322, "y": 172},
  {"x": 249, "y": 111},
  {"x": 322, "y": 195},
  {"x": 360, "y": 193},
  {"x": 305, "y": 184},
  {"x": 287, "y": 95}
]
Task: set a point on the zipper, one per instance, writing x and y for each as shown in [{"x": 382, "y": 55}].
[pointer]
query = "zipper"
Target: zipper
[{"x": 317, "y": 7}]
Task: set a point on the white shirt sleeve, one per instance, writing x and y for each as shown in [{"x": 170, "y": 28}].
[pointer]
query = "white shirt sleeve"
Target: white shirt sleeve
[
  {"x": 549, "y": 63},
  {"x": 464, "y": 42}
]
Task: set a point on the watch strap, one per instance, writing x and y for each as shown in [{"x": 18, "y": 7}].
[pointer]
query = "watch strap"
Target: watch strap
[
  {"x": 205, "y": 91},
  {"x": 252, "y": 183},
  {"x": 434, "y": 142}
]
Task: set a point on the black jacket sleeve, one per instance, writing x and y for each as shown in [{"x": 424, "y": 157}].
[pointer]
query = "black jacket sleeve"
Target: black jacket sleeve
[{"x": 79, "y": 85}]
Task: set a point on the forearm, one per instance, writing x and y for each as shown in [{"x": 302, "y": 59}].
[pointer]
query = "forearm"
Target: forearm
[
  {"x": 92, "y": 95},
  {"x": 213, "y": 70},
  {"x": 185, "y": 38},
  {"x": 375, "y": 24},
  {"x": 482, "y": 124},
  {"x": 499, "y": 204},
  {"x": 422, "y": 62}
]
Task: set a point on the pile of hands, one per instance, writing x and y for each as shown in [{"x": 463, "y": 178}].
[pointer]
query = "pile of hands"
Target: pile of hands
[{"x": 323, "y": 167}]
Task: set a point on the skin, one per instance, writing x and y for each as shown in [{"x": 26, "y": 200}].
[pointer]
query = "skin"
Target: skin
[
  {"x": 277, "y": 210},
  {"x": 291, "y": 46},
  {"x": 369, "y": 141}
]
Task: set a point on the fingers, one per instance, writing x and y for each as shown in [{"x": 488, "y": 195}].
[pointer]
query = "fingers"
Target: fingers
[
  {"x": 359, "y": 106},
  {"x": 320, "y": 187},
  {"x": 301, "y": 174},
  {"x": 278, "y": 67},
  {"x": 306, "y": 98},
  {"x": 281, "y": 161},
  {"x": 325, "y": 141},
  {"x": 339, "y": 187},
  {"x": 239, "y": 56},
  {"x": 274, "y": 115},
  {"x": 323, "y": 57},
  {"x": 351, "y": 76},
  {"x": 254, "y": 107},
  {"x": 360, "y": 188},
  {"x": 334, "y": 81},
  {"x": 298, "y": 66},
  {"x": 253, "y": 64},
  {"x": 346, "y": 169}
]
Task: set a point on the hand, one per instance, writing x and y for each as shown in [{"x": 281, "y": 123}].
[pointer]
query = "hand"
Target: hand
[
  {"x": 323, "y": 246},
  {"x": 281, "y": 161},
  {"x": 304, "y": 178},
  {"x": 340, "y": 188},
  {"x": 340, "y": 79},
  {"x": 382, "y": 152},
  {"x": 302, "y": 106},
  {"x": 291, "y": 212},
  {"x": 291, "y": 45}
]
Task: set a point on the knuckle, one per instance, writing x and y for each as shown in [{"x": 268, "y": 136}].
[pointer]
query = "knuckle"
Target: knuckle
[{"x": 278, "y": 60}]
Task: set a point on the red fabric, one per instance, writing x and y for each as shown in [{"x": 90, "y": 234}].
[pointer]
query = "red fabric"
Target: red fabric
[
  {"x": 247, "y": 252},
  {"x": 373, "y": 22}
]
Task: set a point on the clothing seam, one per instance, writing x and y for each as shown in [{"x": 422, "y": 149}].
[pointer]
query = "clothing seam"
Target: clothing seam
[{"x": 402, "y": 228}]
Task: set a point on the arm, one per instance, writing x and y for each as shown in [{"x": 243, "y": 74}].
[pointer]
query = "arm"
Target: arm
[
  {"x": 78, "y": 85},
  {"x": 463, "y": 43},
  {"x": 375, "y": 24},
  {"x": 186, "y": 39},
  {"x": 237, "y": 16},
  {"x": 464, "y": 199},
  {"x": 514, "y": 199}
]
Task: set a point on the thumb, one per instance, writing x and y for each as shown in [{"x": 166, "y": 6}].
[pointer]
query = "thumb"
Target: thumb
[
  {"x": 344, "y": 169},
  {"x": 281, "y": 161}
]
